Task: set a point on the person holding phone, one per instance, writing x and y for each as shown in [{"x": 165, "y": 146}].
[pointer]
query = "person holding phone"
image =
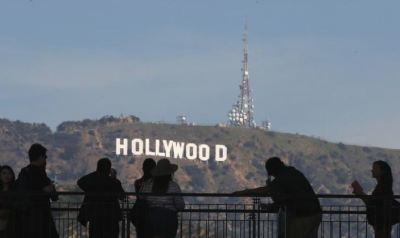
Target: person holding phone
[{"x": 380, "y": 204}]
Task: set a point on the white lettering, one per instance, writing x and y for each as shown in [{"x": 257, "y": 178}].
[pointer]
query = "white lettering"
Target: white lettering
[
  {"x": 167, "y": 147},
  {"x": 178, "y": 148},
  {"x": 137, "y": 147},
  {"x": 204, "y": 152},
  {"x": 221, "y": 152},
  {"x": 148, "y": 151},
  {"x": 170, "y": 149},
  {"x": 191, "y": 151},
  {"x": 158, "y": 152},
  {"x": 119, "y": 146}
]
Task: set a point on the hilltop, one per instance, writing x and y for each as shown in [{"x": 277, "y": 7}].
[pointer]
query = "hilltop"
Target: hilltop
[{"x": 76, "y": 145}]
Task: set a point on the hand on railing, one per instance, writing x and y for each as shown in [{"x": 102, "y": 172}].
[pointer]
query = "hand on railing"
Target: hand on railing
[
  {"x": 269, "y": 207},
  {"x": 51, "y": 190}
]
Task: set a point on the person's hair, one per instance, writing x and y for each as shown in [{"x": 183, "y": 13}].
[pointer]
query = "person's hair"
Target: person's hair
[
  {"x": 148, "y": 165},
  {"x": 386, "y": 178},
  {"x": 6, "y": 167},
  {"x": 36, "y": 151},
  {"x": 160, "y": 183},
  {"x": 273, "y": 165},
  {"x": 104, "y": 166}
]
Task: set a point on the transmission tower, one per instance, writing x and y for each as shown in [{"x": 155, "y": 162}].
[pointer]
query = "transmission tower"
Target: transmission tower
[{"x": 242, "y": 113}]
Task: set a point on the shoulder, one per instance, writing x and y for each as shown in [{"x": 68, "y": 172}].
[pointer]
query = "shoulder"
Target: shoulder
[
  {"x": 139, "y": 182},
  {"x": 116, "y": 181},
  {"x": 24, "y": 173},
  {"x": 381, "y": 189},
  {"x": 173, "y": 187},
  {"x": 91, "y": 175},
  {"x": 147, "y": 185}
]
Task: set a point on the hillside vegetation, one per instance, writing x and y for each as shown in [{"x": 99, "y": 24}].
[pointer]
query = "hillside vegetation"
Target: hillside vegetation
[{"x": 76, "y": 146}]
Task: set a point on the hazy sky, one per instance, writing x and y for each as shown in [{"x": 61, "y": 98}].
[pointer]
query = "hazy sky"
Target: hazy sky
[{"x": 324, "y": 68}]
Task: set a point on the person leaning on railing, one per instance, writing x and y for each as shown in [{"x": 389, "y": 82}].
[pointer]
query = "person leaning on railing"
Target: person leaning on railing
[
  {"x": 382, "y": 208},
  {"x": 161, "y": 216},
  {"x": 300, "y": 212}
]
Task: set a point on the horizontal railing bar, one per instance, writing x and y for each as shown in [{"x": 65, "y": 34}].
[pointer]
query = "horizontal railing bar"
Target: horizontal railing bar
[
  {"x": 223, "y": 211},
  {"x": 229, "y": 195}
]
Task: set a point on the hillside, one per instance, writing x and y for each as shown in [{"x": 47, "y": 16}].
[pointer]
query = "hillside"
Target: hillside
[{"x": 75, "y": 147}]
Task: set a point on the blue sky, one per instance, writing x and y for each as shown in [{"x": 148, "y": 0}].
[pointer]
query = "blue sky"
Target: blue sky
[{"x": 324, "y": 68}]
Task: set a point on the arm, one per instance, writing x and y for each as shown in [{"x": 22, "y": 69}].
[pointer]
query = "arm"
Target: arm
[
  {"x": 255, "y": 191},
  {"x": 145, "y": 188},
  {"x": 358, "y": 190},
  {"x": 51, "y": 190},
  {"x": 83, "y": 183},
  {"x": 178, "y": 200},
  {"x": 120, "y": 190}
]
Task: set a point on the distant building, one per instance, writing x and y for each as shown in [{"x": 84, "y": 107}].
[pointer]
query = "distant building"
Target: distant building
[
  {"x": 266, "y": 125},
  {"x": 181, "y": 120}
]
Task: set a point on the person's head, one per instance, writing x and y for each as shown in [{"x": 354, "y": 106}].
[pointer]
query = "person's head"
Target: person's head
[
  {"x": 382, "y": 172},
  {"x": 148, "y": 165},
  {"x": 104, "y": 166},
  {"x": 37, "y": 155},
  {"x": 162, "y": 175},
  {"x": 274, "y": 166},
  {"x": 7, "y": 176}
]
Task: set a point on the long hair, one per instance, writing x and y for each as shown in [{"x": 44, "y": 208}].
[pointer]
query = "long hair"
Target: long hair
[
  {"x": 6, "y": 167},
  {"x": 386, "y": 178},
  {"x": 148, "y": 165},
  {"x": 160, "y": 183},
  {"x": 104, "y": 166}
]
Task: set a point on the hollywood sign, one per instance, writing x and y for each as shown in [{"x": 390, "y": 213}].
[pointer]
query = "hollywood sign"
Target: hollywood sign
[{"x": 169, "y": 149}]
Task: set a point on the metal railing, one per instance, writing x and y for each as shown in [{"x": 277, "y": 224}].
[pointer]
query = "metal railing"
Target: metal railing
[{"x": 226, "y": 216}]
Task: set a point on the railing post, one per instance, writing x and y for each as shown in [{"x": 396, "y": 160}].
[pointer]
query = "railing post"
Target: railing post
[
  {"x": 253, "y": 217},
  {"x": 124, "y": 219}
]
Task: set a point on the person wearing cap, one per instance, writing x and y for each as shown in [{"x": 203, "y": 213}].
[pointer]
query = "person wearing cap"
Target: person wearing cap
[
  {"x": 161, "y": 218},
  {"x": 37, "y": 190},
  {"x": 300, "y": 210}
]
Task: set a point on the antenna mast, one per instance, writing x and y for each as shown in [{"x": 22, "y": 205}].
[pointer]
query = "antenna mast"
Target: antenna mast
[{"x": 242, "y": 113}]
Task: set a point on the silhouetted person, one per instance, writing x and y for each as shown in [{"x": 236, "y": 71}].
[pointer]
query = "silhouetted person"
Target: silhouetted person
[
  {"x": 37, "y": 190},
  {"x": 7, "y": 212},
  {"x": 138, "y": 218},
  {"x": 148, "y": 165},
  {"x": 161, "y": 217},
  {"x": 102, "y": 209},
  {"x": 379, "y": 210},
  {"x": 300, "y": 213}
]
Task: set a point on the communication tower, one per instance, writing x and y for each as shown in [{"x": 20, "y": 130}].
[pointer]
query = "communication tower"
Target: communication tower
[{"x": 242, "y": 112}]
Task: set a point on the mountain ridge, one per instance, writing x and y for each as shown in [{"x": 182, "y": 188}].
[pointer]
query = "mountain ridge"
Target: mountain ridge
[{"x": 75, "y": 147}]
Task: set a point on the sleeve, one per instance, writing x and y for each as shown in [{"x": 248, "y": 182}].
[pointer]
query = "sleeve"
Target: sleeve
[
  {"x": 137, "y": 186},
  {"x": 84, "y": 183},
  {"x": 22, "y": 181},
  {"x": 179, "y": 203},
  {"x": 275, "y": 189},
  {"x": 120, "y": 188},
  {"x": 146, "y": 187}
]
